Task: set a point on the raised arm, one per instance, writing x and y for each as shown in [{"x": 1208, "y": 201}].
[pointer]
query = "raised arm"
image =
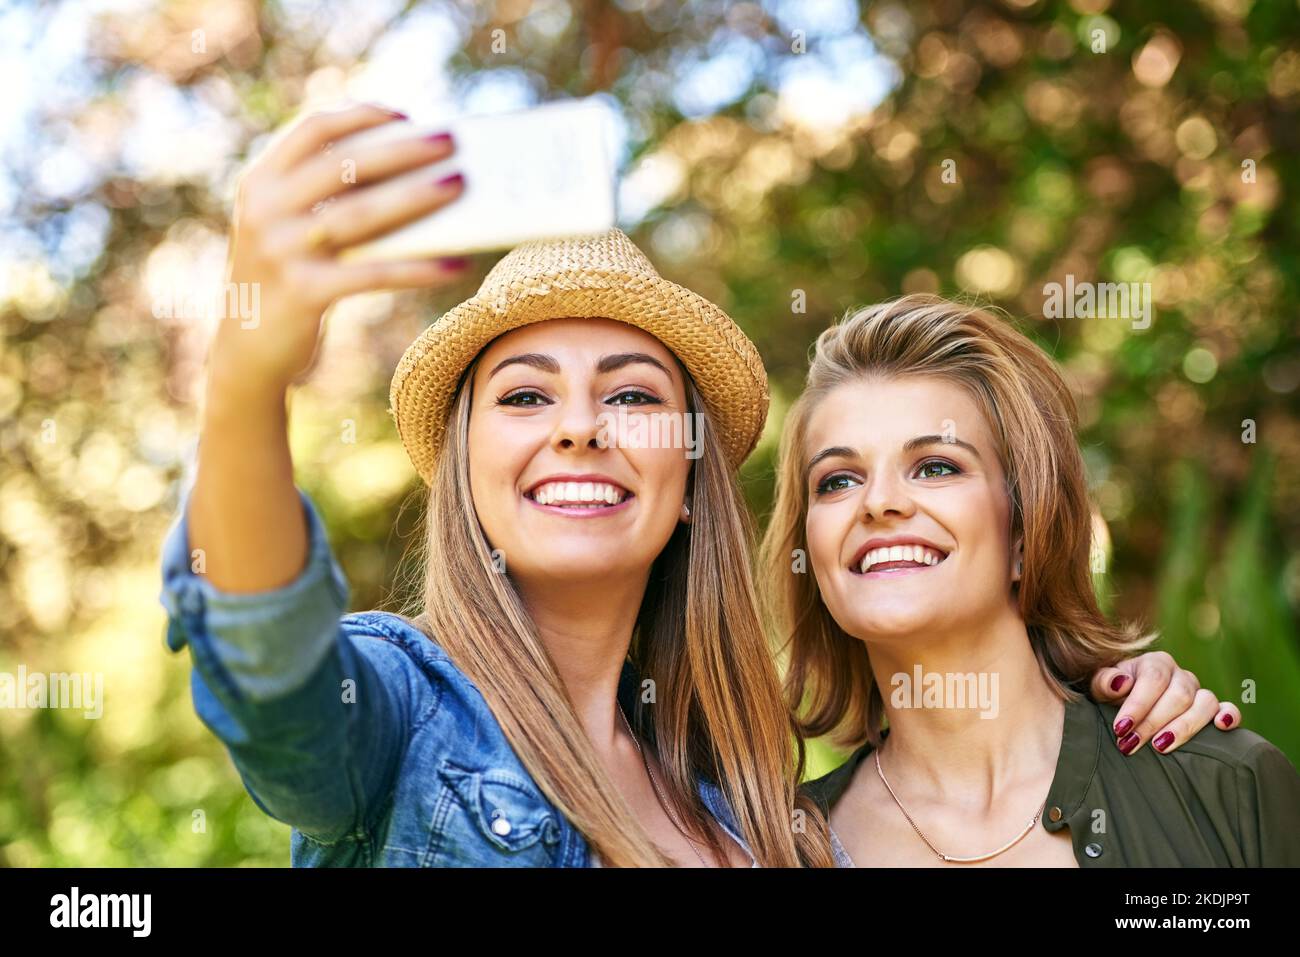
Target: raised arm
[
  {"x": 243, "y": 514},
  {"x": 315, "y": 715}
]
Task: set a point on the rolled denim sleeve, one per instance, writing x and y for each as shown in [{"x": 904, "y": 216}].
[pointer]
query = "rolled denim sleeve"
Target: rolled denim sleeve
[
  {"x": 314, "y": 718},
  {"x": 266, "y": 642}
]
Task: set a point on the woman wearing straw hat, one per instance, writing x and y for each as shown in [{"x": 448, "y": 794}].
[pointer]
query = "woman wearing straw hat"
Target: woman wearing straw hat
[{"x": 587, "y": 681}]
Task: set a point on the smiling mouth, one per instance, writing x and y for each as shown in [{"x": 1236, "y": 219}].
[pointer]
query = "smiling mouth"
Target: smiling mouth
[
  {"x": 898, "y": 558},
  {"x": 579, "y": 496}
]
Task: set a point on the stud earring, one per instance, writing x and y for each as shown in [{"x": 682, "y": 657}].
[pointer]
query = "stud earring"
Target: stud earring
[{"x": 686, "y": 512}]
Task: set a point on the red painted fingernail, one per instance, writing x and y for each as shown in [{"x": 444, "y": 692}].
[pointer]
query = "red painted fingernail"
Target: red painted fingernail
[
  {"x": 439, "y": 138},
  {"x": 455, "y": 179},
  {"x": 394, "y": 113},
  {"x": 1227, "y": 721},
  {"x": 1122, "y": 726},
  {"x": 1163, "y": 741},
  {"x": 1128, "y": 743},
  {"x": 454, "y": 262},
  {"x": 1118, "y": 682}
]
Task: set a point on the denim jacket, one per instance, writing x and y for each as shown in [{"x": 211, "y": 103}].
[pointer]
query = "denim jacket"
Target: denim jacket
[{"x": 357, "y": 730}]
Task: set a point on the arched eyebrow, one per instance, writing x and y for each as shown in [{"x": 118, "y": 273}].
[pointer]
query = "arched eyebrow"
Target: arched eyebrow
[
  {"x": 921, "y": 441},
  {"x": 535, "y": 359},
  {"x": 611, "y": 363},
  {"x": 911, "y": 445},
  {"x": 608, "y": 363},
  {"x": 843, "y": 451}
]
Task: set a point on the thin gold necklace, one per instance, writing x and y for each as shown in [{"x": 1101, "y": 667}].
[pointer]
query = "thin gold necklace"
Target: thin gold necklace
[
  {"x": 946, "y": 857},
  {"x": 658, "y": 796}
]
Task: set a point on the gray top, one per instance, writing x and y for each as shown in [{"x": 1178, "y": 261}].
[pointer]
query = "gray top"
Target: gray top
[{"x": 838, "y": 852}]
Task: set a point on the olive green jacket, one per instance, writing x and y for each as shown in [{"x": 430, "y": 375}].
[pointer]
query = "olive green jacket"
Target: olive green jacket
[{"x": 1220, "y": 800}]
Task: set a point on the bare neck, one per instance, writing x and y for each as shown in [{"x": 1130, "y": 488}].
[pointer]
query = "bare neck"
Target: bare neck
[
  {"x": 587, "y": 630},
  {"x": 983, "y": 720}
]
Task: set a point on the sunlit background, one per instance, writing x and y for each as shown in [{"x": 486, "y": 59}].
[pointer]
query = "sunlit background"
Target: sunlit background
[{"x": 787, "y": 160}]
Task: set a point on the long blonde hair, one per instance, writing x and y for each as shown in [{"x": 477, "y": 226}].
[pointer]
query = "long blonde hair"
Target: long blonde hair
[
  {"x": 719, "y": 710},
  {"x": 1032, "y": 415}
]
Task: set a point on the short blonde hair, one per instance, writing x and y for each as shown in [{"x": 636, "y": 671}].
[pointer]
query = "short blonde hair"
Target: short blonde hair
[{"x": 1032, "y": 416}]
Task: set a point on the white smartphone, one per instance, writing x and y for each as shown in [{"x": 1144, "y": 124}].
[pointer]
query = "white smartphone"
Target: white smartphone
[{"x": 542, "y": 173}]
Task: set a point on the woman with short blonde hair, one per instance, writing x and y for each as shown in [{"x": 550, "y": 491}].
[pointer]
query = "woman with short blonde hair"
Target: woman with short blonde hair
[{"x": 931, "y": 474}]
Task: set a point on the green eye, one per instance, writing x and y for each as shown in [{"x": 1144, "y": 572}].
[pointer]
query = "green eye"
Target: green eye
[
  {"x": 937, "y": 468},
  {"x": 831, "y": 483}
]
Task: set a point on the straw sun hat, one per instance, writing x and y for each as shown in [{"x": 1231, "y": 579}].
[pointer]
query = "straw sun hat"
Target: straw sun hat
[{"x": 595, "y": 276}]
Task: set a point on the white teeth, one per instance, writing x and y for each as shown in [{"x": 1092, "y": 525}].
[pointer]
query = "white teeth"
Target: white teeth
[
  {"x": 578, "y": 493},
  {"x": 899, "y": 553}
]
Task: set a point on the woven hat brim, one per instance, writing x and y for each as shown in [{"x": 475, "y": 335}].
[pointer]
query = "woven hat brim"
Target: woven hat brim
[{"x": 724, "y": 363}]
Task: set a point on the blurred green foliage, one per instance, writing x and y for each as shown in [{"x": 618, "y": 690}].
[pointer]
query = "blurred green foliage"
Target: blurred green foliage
[{"x": 1010, "y": 144}]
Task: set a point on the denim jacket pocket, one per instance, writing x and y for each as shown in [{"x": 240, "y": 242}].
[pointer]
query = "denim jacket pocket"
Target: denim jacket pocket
[{"x": 491, "y": 818}]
